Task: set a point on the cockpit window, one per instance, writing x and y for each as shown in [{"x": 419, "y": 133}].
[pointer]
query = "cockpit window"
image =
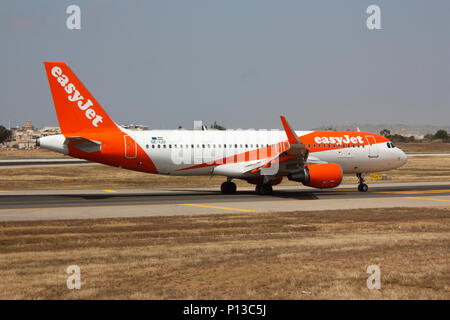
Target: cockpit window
[
  {"x": 388, "y": 145},
  {"x": 392, "y": 145}
]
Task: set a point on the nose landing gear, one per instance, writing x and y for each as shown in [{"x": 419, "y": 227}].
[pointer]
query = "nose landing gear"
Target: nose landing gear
[{"x": 362, "y": 187}]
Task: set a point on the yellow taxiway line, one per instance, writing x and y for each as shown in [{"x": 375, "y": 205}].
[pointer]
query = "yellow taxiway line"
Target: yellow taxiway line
[
  {"x": 414, "y": 191},
  {"x": 109, "y": 190},
  {"x": 430, "y": 199},
  {"x": 215, "y": 207}
]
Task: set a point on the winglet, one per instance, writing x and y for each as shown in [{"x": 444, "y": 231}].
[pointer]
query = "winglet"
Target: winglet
[{"x": 292, "y": 137}]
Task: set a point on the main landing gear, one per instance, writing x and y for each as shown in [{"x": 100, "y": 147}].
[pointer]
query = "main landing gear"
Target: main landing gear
[
  {"x": 362, "y": 187},
  {"x": 264, "y": 189},
  {"x": 228, "y": 187}
]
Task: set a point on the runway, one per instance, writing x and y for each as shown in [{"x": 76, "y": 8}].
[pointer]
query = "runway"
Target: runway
[{"x": 82, "y": 204}]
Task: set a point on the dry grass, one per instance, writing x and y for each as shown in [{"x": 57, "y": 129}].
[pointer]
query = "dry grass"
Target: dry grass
[
  {"x": 104, "y": 177},
  {"x": 425, "y": 147},
  {"x": 29, "y": 154},
  {"x": 297, "y": 255}
]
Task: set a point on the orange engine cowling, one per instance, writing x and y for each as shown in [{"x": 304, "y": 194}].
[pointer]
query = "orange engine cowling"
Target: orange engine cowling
[{"x": 320, "y": 176}]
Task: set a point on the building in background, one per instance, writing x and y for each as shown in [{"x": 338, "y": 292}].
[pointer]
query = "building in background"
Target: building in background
[
  {"x": 25, "y": 137},
  {"x": 132, "y": 126}
]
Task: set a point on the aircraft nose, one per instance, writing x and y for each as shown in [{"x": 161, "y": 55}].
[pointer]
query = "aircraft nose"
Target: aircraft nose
[{"x": 403, "y": 157}]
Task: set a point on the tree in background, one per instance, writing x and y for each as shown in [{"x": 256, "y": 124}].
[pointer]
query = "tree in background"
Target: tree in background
[
  {"x": 4, "y": 134},
  {"x": 217, "y": 126},
  {"x": 385, "y": 133},
  {"x": 441, "y": 134}
]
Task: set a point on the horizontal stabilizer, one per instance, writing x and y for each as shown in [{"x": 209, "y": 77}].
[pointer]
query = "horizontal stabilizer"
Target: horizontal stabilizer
[{"x": 83, "y": 144}]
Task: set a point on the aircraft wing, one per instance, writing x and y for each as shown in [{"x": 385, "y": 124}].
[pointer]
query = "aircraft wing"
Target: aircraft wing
[
  {"x": 292, "y": 159},
  {"x": 287, "y": 157}
]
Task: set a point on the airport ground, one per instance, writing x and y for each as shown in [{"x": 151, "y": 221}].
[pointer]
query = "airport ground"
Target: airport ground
[
  {"x": 287, "y": 255},
  {"x": 179, "y": 238}
]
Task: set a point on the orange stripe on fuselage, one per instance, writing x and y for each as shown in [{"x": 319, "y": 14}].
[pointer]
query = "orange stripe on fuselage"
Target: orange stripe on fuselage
[{"x": 309, "y": 140}]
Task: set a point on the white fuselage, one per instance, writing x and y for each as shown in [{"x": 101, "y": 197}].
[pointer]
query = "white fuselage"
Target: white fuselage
[{"x": 173, "y": 150}]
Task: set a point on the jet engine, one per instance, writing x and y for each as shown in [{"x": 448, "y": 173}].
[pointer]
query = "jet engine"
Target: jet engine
[{"x": 320, "y": 176}]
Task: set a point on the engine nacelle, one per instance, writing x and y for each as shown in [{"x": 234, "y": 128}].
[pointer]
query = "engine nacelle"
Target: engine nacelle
[{"x": 320, "y": 176}]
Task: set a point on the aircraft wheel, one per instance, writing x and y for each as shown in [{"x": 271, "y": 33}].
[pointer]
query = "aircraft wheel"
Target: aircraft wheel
[
  {"x": 266, "y": 189},
  {"x": 363, "y": 187},
  {"x": 228, "y": 187},
  {"x": 258, "y": 188}
]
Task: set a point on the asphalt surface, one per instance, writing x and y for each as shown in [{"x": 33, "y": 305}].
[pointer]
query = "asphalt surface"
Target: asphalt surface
[
  {"x": 73, "y": 198},
  {"x": 88, "y": 204}
]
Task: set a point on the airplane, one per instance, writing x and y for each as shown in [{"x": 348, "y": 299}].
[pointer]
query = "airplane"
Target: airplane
[{"x": 318, "y": 159}]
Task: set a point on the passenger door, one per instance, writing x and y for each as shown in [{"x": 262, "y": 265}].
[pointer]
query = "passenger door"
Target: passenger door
[{"x": 373, "y": 147}]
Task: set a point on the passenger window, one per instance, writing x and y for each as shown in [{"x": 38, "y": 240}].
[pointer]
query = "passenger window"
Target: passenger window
[
  {"x": 170, "y": 146},
  {"x": 334, "y": 146},
  {"x": 309, "y": 146},
  {"x": 314, "y": 145},
  {"x": 159, "y": 146},
  {"x": 164, "y": 146},
  {"x": 147, "y": 146},
  {"x": 153, "y": 146}
]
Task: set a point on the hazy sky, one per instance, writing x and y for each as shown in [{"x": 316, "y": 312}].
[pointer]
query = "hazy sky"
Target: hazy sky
[{"x": 240, "y": 62}]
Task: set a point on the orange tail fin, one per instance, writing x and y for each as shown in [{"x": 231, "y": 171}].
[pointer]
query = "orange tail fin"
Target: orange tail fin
[{"x": 76, "y": 108}]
